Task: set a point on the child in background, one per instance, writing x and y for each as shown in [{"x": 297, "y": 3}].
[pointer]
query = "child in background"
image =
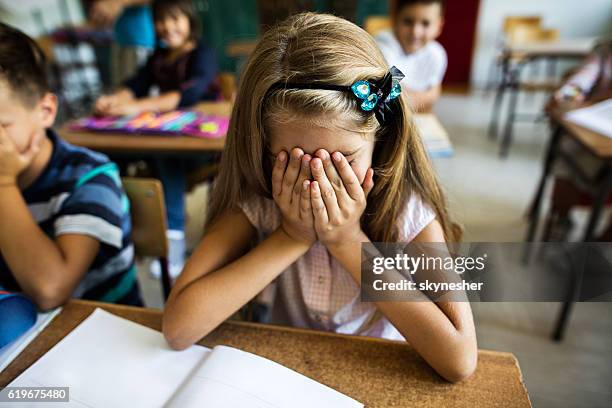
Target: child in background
[
  {"x": 64, "y": 216},
  {"x": 412, "y": 47},
  {"x": 133, "y": 31},
  {"x": 183, "y": 71},
  {"x": 309, "y": 174},
  {"x": 591, "y": 82}
]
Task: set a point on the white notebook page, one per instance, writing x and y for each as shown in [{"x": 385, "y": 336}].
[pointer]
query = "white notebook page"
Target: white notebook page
[
  {"x": 597, "y": 117},
  {"x": 231, "y": 378},
  {"x": 108, "y": 361}
]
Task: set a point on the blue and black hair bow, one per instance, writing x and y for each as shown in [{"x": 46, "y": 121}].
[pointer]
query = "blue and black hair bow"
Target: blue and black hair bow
[{"x": 374, "y": 96}]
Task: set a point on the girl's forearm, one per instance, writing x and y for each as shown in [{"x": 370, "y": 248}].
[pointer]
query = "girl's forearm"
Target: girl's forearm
[
  {"x": 165, "y": 102},
  {"x": 445, "y": 340},
  {"x": 123, "y": 95},
  {"x": 205, "y": 303}
]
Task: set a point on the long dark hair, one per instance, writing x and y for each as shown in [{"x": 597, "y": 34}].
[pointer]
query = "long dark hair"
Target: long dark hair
[{"x": 162, "y": 8}]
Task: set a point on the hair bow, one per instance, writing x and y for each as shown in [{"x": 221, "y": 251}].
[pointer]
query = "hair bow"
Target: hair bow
[{"x": 378, "y": 96}]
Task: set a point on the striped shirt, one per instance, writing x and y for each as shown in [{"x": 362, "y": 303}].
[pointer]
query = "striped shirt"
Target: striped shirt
[
  {"x": 80, "y": 192},
  {"x": 316, "y": 291}
]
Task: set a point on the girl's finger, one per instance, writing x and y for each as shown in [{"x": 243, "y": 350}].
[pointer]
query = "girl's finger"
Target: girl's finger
[
  {"x": 305, "y": 205},
  {"x": 318, "y": 205},
  {"x": 349, "y": 178},
  {"x": 291, "y": 174},
  {"x": 278, "y": 171},
  {"x": 304, "y": 175},
  {"x": 327, "y": 191},
  {"x": 334, "y": 178},
  {"x": 368, "y": 182}
]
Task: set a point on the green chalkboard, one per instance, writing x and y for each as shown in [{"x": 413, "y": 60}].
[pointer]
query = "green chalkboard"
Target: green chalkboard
[{"x": 225, "y": 21}]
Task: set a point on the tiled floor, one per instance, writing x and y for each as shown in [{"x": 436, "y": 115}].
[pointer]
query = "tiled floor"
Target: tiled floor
[{"x": 489, "y": 197}]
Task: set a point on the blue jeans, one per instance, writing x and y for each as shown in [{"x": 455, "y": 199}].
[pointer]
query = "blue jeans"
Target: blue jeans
[{"x": 173, "y": 175}]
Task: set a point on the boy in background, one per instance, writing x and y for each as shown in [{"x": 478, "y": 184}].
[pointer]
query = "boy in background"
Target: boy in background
[
  {"x": 65, "y": 226},
  {"x": 412, "y": 47}
]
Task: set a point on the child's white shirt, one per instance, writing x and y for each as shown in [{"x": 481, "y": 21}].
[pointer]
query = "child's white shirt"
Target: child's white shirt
[
  {"x": 423, "y": 68},
  {"x": 316, "y": 291}
]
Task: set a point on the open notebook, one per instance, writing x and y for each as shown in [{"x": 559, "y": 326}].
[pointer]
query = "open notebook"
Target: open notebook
[
  {"x": 597, "y": 117},
  {"x": 108, "y": 361}
]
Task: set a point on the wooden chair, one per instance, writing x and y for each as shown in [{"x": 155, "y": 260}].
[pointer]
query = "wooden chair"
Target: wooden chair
[
  {"x": 227, "y": 83},
  {"x": 521, "y": 31},
  {"x": 511, "y": 22},
  {"x": 509, "y": 26},
  {"x": 375, "y": 24},
  {"x": 148, "y": 211}
]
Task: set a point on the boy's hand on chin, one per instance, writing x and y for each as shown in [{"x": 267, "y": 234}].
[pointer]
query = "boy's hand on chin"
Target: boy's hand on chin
[{"x": 13, "y": 162}]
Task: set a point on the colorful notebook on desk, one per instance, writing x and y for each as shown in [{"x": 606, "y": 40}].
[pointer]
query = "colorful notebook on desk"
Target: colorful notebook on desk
[
  {"x": 108, "y": 361},
  {"x": 175, "y": 123}
]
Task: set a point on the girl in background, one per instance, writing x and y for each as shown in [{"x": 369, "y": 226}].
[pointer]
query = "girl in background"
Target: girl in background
[
  {"x": 313, "y": 167},
  {"x": 180, "y": 73}
]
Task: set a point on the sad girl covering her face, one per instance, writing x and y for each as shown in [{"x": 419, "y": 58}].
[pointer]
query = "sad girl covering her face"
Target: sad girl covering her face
[{"x": 315, "y": 164}]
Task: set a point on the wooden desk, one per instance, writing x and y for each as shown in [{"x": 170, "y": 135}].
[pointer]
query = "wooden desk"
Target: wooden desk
[
  {"x": 598, "y": 144},
  {"x": 130, "y": 144},
  {"x": 514, "y": 57},
  {"x": 379, "y": 373},
  {"x": 600, "y": 147},
  {"x": 434, "y": 135},
  {"x": 562, "y": 48}
]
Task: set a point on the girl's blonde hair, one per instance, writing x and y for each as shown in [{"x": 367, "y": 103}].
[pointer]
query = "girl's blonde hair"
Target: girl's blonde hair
[{"x": 320, "y": 48}]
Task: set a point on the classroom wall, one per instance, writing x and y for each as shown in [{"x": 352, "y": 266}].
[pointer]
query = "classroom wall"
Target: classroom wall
[
  {"x": 52, "y": 13},
  {"x": 574, "y": 18}
]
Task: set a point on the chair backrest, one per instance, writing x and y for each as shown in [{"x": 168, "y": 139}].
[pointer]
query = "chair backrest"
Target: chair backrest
[
  {"x": 148, "y": 211},
  {"x": 522, "y": 34},
  {"x": 227, "y": 83},
  {"x": 375, "y": 24},
  {"x": 549, "y": 34},
  {"x": 510, "y": 22},
  {"x": 527, "y": 34}
]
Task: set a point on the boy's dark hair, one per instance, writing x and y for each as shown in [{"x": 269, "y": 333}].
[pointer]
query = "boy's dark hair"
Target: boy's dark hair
[
  {"x": 400, "y": 4},
  {"x": 23, "y": 65},
  {"x": 162, "y": 8}
]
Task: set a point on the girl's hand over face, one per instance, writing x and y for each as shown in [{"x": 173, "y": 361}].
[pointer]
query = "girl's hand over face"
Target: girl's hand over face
[
  {"x": 291, "y": 192},
  {"x": 337, "y": 198}
]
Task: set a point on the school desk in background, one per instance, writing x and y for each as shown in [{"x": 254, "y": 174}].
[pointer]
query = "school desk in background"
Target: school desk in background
[
  {"x": 174, "y": 123},
  {"x": 183, "y": 133},
  {"x": 434, "y": 136}
]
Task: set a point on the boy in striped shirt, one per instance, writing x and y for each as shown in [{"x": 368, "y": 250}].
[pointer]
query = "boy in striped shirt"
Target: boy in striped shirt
[{"x": 64, "y": 217}]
